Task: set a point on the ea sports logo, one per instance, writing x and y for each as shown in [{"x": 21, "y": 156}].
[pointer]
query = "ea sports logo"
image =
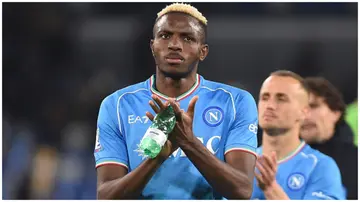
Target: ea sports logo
[{"x": 213, "y": 116}]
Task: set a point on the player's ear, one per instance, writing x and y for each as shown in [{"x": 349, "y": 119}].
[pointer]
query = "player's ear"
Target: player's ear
[
  {"x": 204, "y": 50},
  {"x": 152, "y": 47},
  {"x": 335, "y": 115}
]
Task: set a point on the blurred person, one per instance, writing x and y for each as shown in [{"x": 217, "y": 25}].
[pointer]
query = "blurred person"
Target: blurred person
[
  {"x": 19, "y": 138},
  {"x": 43, "y": 173},
  {"x": 287, "y": 167},
  {"x": 325, "y": 130},
  {"x": 210, "y": 154},
  {"x": 72, "y": 171}
]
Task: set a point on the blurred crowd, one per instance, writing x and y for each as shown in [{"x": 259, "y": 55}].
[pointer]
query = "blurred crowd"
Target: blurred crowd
[{"x": 61, "y": 59}]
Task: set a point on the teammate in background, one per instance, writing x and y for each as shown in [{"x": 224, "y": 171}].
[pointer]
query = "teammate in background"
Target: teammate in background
[
  {"x": 324, "y": 129},
  {"x": 211, "y": 152},
  {"x": 288, "y": 168}
]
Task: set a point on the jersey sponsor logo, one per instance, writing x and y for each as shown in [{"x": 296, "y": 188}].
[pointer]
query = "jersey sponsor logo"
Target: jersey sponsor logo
[
  {"x": 97, "y": 141},
  {"x": 132, "y": 119},
  {"x": 253, "y": 128},
  {"x": 213, "y": 116},
  {"x": 296, "y": 181},
  {"x": 212, "y": 145}
]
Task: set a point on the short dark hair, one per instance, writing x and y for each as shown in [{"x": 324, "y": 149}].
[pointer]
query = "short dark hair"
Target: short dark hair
[
  {"x": 333, "y": 98},
  {"x": 287, "y": 73}
]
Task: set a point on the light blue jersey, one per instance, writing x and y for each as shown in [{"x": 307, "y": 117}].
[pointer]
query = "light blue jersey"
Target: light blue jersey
[
  {"x": 225, "y": 120},
  {"x": 307, "y": 174}
]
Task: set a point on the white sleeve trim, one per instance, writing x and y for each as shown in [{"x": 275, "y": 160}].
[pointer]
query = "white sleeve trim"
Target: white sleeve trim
[
  {"x": 112, "y": 163},
  {"x": 241, "y": 149}
]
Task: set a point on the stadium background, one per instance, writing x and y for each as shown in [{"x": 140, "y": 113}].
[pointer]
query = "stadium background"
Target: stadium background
[{"x": 61, "y": 59}]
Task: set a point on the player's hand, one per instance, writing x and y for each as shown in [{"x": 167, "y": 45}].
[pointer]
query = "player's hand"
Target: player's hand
[
  {"x": 266, "y": 171},
  {"x": 184, "y": 121},
  {"x": 170, "y": 144}
]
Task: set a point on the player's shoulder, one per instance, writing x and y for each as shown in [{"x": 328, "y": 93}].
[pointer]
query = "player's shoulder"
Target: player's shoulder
[
  {"x": 235, "y": 92},
  {"x": 322, "y": 160},
  {"x": 133, "y": 90},
  {"x": 259, "y": 150}
]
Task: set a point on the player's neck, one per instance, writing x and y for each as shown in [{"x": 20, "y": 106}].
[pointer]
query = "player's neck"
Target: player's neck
[
  {"x": 174, "y": 88},
  {"x": 284, "y": 144}
]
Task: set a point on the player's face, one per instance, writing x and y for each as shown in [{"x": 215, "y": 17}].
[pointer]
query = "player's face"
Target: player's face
[
  {"x": 282, "y": 103},
  {"x": 320, "y": 121},
  {"x": 177, "y": 45}
]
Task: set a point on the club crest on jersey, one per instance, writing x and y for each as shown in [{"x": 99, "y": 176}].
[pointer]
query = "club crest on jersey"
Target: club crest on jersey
[
  {"x": 296, "y": 181},
  {"x": 97, "y": 141},
  {"x": 213, "y": 116}
]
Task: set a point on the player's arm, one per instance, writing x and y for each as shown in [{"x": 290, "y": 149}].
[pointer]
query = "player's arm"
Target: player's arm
[
  {"x": 266, "y": 178},
  {"x": 325, "y": 181},
  {"x": 276, "y": 192},
  {"x": 114, "y": 180},
  {"x": 232, "y": 179}
]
